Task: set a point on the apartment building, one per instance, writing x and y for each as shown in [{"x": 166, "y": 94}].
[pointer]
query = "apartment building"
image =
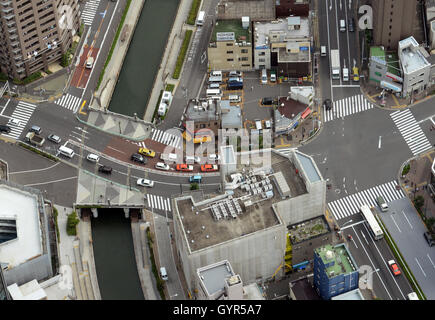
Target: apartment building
[{"x": 35, "y": 33}]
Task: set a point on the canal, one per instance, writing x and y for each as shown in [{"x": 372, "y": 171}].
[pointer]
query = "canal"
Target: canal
[
  {"x": 143, "y": 57},
  {"x": 115, "y": 261}
]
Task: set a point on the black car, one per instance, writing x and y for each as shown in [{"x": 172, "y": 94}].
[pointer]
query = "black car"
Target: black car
[
  {"x": 138, "y": 158},
  {"x": 105, "y": 169},
  {"x": 327, "y": 104},
  {"x": 4, "y": 128},
  {"x": 429, "y": 238},
  {"x": 267, "y": 101},
  {"x": 351, "y": 25}
]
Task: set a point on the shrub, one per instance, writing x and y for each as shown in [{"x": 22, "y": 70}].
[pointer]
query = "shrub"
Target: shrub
[
  {"x": 418, "y": 202},
  {"x": 157, "y": 105},
  {"x": 3, "y": 77},
  {"x": 33, "y": 77},
  {"x": 41, "y": 153},
  {"x": 194, "y": 186},
  {"x": 406, "y": 169},
  {"x": 193, "y": 12},
  {"x": 170, "y": 87},
  {"x": 182, "y": 54},
  {"x": 159, "y": 282},
  {"x": 72, "y": 223},
  {"x": 55, "y": 214}
]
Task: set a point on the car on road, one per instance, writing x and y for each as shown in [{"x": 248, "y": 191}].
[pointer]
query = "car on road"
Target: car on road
[
  {"x": 429, "y": 238},
  {"x": 184, "y": 167},
  {"x": 355, "y": 74},
  {"x": 89, "y": 62},
  {"x": 214, "y": 157},
  {"x": 54, "y": 138},
  {"x": 145, "y": 183},
  {"x": 105, "y": 169},
  {"x": 394, "y": 268},
  {"x": 267, "y": 101},
  {"x": 272, "y": 76},
  {"x": 147, "y": 152},
  {"x": 327, "y": 104},
  {"x": 209, "y": 167},
  {"x": 4, "y": 128},
  {"x": 138, "y": 158},
  {"x": 15, "y": 122},
  {"x": 35, "y": 129},
  {"x": 195, "y": 179},
  {"x": 162, "y": 166},
  {"x": 351, "y": 25},
  {"x": 93, "y": 157}
]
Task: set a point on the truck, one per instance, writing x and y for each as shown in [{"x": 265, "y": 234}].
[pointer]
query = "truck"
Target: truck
[
  {"x": 34, "y": 139},
  {"x": 335, "y": 64}
]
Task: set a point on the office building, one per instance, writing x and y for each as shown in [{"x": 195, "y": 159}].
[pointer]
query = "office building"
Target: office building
[
  {"x": 35, "y": 34},
  {"x": 335, "y": 271},
  {"x": 394, "y": 20}
]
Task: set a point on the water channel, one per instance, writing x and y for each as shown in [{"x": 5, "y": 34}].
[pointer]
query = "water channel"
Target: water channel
[
  {"x": 115, "y": 261},
  {"x": 143, "y": 57}
]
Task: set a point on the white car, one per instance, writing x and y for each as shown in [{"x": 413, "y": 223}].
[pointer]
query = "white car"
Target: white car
[
  {"x": 89, "y": 62},
  {"x": 162, "y": 166},
  {"x": 15, "y": 122},
  {"x": 214, "y": 157},
  {"x": 93, "y": 157},
  {"x": 145, "y": 183}
]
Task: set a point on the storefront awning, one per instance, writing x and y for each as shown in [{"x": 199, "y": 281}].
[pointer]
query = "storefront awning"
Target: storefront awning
[{"x": 306, "y": 113}]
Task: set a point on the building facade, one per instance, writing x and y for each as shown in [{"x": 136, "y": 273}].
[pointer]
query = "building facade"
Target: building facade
[
  {"x": 4, "y": 294},
  {"x": 230, "y": 46},
  {"x": 285, "y": 8},
  {"x": 335, "y": 271},
  {"x": 394, "y": 20},
  {"x": 35, "y": 33}
]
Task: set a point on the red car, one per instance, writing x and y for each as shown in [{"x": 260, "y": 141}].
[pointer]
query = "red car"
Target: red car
[
  {"x": 394, "y": 268},
  {"x": 184, "y": 167},
  {"x": 209, "y": 167}
]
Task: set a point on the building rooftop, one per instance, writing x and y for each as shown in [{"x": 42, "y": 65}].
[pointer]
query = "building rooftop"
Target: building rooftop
[
  {"x": 294, "y": 52},
  {"x": 213, "y": 276},
  {"x": 20, "y": 213},
  {"x": 337, "y": 259},
  {"x": 231, "y": 115},
  {"x": 350, "y": 295},
  {"x": 254, "y": 9},
  {"x": 379, "y": 55},
  {"x": 411, "y": 58},
  {"x": 309, "y": 167},
  {"x": 28, "y": 291},
  {"x": 202, "y": 110},
  {"x": 232, "y": 26},
  {"x": 278, "y": 31}
]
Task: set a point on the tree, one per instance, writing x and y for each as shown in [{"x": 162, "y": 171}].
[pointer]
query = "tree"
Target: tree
[
  {"x": 194, "y": 186},
  {"x": 419, "y": 202},
  {"x": 71, "y": 224}
]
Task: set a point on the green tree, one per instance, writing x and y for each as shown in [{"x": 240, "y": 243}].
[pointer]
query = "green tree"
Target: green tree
[
  {"x": 72, "y": 223},
  {"x": 419, "y": 202},
  {"x": 194, "y": 186}
]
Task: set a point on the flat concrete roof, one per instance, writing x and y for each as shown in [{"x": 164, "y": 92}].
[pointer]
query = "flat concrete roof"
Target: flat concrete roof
[
  {"x": 350, "y": 295},
  {"x": 213, "y": 276},
  {"x": 264, "y": 32},
  {"x": 309, "y": 167},
  {"x": 23, "y": 207},
  {"x": 411, "y": 58},
  {"x": 339, "y": 258},
  {"x": 254, "y": 9},
  {"x": 297, "y": 56},
  {"x": 231, "y": 115},
  {"x": 202, "y": 110},
  {"x": 240, "y": 34}
]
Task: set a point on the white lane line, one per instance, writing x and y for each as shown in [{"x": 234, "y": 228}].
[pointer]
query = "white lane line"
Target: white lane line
[
  {"x": 53, "y": 181},
  {"x": 48, "y": 168},
  {"x": 392, "y": 218},
  {"x": 380, "y": 142},
  {"x": 431, "y": 261},
  {"x": 407, "y": 219},
  {"x": 420, "y": 267}
]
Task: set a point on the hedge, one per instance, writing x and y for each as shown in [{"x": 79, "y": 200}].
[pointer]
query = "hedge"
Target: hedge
[
  {"x": 193, "y": 12},
  {"x": 33, "y": 77},
  {"x": 170, "y": 87},
  {"x": 55, "y": 214},
  {"x": 41, "y": 153},
  {"x": 182, "y": 54},
  {"x": 159, "y": 281},
  {"x": 406, "y": 169},
  {"x": 115, "y": 40},
  {"x": 157, "y": 105},
  {"x": 71, "y": 224}
]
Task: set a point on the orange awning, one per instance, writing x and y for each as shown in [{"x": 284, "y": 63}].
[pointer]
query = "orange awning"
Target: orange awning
[{"x": 306, "y": 113}]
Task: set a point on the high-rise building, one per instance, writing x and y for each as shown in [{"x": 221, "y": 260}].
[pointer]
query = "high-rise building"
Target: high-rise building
[
  {"x": 4, "y": 295},
  {"x": 35, "y": 33},
  {"x": 394, "y": 20}
]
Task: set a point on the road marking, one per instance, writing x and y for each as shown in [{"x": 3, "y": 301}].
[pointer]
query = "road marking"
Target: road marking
[
  {"x": 380, "y": 142},
  {"x": 27, "y": 171},
  {"x": 431, "y": 261},
  {"x": 420, "y": 267},
  {"x": 354, "y": 224},
  {"x": 392, "y": 218},
  {"x": 407, "y": 219},
  {"x": 53, "y": 181},
  {"x": 83, "y": 104},
  {"x": 4, "y": 108},
  {"x": 116, "y": 149}
]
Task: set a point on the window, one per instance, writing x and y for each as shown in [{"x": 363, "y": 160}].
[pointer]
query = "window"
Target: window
[
  {"x": 262, "y": 66},
  {"x": 202, "y": 126},
  {"x": 262, "y": 53},
  {"x": 243, "y": 59},
  {"x": 378, "y": 74},
  {"x": 229, "y": 44},
  {"x": 261, "y": 60},
  {"x": 228, "y": 52},
  {"x": 230, "y": 59},
  {"x": 244, "y": 50}
]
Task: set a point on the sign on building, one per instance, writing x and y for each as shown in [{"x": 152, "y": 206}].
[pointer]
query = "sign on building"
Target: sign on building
[{"x": 225, "y": 36}]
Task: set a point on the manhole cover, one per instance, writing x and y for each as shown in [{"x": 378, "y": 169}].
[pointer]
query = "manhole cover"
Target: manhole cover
[{"x": 337, "y": 191}]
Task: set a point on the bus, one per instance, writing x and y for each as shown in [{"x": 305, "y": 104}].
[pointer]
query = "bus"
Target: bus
[
  {"x": 372, "y": 223},
  {"x": 200, "y": 19}
]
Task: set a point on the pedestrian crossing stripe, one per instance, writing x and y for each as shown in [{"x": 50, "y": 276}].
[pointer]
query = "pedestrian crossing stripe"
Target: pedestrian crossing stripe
[
  {"x": 351, "y": 204},
  {"x": 69, "y": 102},
  {"x": 89, "y": 11},
  {"x": 23, "y": 112},
  {"x": 166, "y": 138},
  {"x": 140, "y": 144},
  {"x": 345, "y": 107},
  {"x": 411, "y": 131},
  {"x": 158, "y": 202}
]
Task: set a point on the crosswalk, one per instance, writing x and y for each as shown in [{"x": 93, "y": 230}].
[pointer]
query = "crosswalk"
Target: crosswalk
[
  {"x": 140, "y": 144},
  {"x": 411, "y": 131},
  {"x": 285, "y": 151},
  {"x": 69, "y": 102},
  {"x": 158, "y": 202},
  {"x": 22, "y": 113},
  {"x": 166, "y": 138},
  {"x": 89, "y": 11},
  {"x": 345, "y": 107},
  {"x": 351, "y": 204}
]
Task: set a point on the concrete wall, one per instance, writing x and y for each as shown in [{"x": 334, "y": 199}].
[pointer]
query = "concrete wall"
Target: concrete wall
[
  {"x": 411, "y": 81},
  {"x": 261, "y": 54},
  {"x": 38, "y": 268}
]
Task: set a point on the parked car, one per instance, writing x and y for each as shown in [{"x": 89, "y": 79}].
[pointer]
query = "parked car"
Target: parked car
[
  {"x": 267, "y": 101},
  {"x": 184, "y": 167},
  {"x": 93, "y": 157},
  {"x": 429, "y": 238},
  {"x": 15, "y": 122},
  {"x": 35, "y": 129},
  {"x": 145, "y": 183},
  {"x": 272, "y": 76},
  {"x": 193, "y": 159},
  {"x": 394, "y": 268},
  {"x": 235, "y": 74},
  {"x": 138, "y": 158},
  {"x": 209, "y": 167},
  {"x": 162, "y": 166},
  {"x": 4, "y": 128},
  {"x": 351, "y": 25},
  {"x": 54, "y": 138},
  {"x": 214, "y": 157},
  {"x": 105, "y": 169},
  {"x": 147, "y": 152},
  {"x": 327, "y": 104}
]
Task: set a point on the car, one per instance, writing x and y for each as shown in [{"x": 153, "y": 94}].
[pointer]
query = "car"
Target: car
[
  {"x": 429, "y": 238},
  {"x": 327, "y": 104},
  {"x": 272, "y": 76},
  {"x": 184, "y": 167},
  {"x": 267, "y": 101},
  {"x": 15, "y": 122},
  {"x": 54, "y": 138},
  {"x": 394, "y": 268},
  {"x": 145, "y": 183},
  {"x": 235, "y": 74},
  {"x": 193, "y": 159},
  {"x": 105, "y": 169},
  {"x": 214, "y": 157},
  {"x": 89, "y": 62},
  {"x": 93, "y": 157},
  {"x": 35, "y": 129},
  {"x": 162, "y": 166},
  {"x": 138, "y": 158},
  {"x": 351, "y": 25},
  {"x": 355, "y": 74},
  {"x": 209, "y": 167},
  {"x": 147, "y": 152},
  {"x": 4, "y": 128}
]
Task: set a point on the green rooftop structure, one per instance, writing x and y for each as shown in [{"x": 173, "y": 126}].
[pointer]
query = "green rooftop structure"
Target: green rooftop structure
[
  {"x": 235, "y": 26},
  {"x": 385, "y": 68}
]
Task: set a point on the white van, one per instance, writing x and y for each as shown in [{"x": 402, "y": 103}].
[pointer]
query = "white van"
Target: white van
[
  {"x": 89, "y": 63},
  {"x": 263, "y": 76},
  {"x": 342, "y": 25},
  {"x": 93, "y": 157},
  {"x": 235, "y": 98},
  {"x": 200, "y": 19},
  {"x": 323, "y": 51},
  {"x": 258, "y": 125},
  {"x": 213, "y": 92},
  {"x": 163, "y": 274},
  {"x": 66, "y": 151},
  {"x": 214, "y": 85}
]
